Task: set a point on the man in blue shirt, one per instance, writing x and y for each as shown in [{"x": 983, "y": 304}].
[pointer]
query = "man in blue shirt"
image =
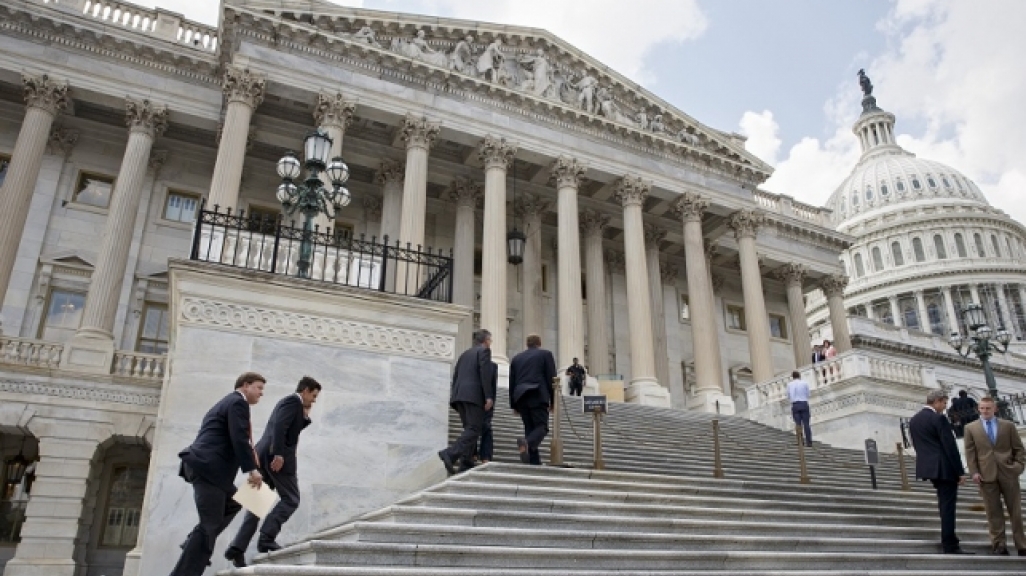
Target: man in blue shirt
[{"x": 798, "y": 392}]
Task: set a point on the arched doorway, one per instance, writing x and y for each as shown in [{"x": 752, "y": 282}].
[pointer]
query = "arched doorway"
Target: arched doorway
[{"x": 18, "y": 455}]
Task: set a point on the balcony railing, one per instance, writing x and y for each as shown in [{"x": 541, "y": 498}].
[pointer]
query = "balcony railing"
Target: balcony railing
[
  {"x": 47, "y": 355},
  {"x": 269, "y": 245},
  {"x": 154, "y": 22},
  {"x": 843, "y": 367}
]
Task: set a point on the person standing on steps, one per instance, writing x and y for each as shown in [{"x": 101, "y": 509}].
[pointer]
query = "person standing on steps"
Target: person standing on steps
[
  {"x": 223, "y": 445},
  {"x": 487, "y": 449},
  {"x": 798, "y": 392},
  {"x": 938, "y": 460},
  {"x": 531, "y": 396},
  {"x": 994, "y": 452},
  {"x": 276, "y": 451},
  {"x": 471, "y": 395},
  {"x": 577, "y": 375}
]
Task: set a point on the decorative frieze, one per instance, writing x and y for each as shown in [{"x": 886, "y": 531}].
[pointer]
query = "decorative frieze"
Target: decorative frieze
[
  {"x": 465, "y": 192},
  {"x": 690, "y": 207},
  {"x": 418, "y": 132},
  {"x": 241, "y": 85},
  {"x": 145, "y": 116},
  {"x": 334, "y": 110},
  {"x": 46, "y": 93},
  {"x": 746, "y": 222},
  {"x": 496, "y": 152},
  {"x": 89, "y": 392},
  {"x": 631, "y": 190},
  {"x": 566, "y": 171}
]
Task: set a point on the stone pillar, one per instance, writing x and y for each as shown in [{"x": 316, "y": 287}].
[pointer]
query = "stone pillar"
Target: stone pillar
[
  {"x": 419, "y": 135},
  {"x": 530, "y": 207},
  {"x": 1006, "y": 310},
  {"x": 333, "y": 114},
  {"x": 592, "y": 225},
  {"x": 870, "y": 312},
  {"x": 567, "y": 172},
  {"x": 244, "y": 91},
  {"x": 496, "y": 154},
  {"x": 745, "y": 224},
  {"x": 653, "y": 236},
  {"x": 974, "y": 290},
  {"x": 924, "y": 315},
  {"x": 949, "y": 304},
  {"x": 466, "y": 194},
  {"x": 708, "y": 385},
  {"x": 92, "y": 348},
  {"x": 631, "y": 191},
  {"x": 44, "y": 99},
  {"x": 896, "y": 311},
  {"x": 51, "y": 530},
  {"x": 833, "y": 286},
  {"x": 390, "y": 177},
  {"x": 793, "y": 275}
]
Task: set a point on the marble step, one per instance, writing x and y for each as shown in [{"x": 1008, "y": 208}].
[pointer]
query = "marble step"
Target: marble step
[{"x": 963, "y": 564}]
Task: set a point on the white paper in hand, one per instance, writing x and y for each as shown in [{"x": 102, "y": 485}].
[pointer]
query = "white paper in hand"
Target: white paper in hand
[{"x": 259, "y": 501}]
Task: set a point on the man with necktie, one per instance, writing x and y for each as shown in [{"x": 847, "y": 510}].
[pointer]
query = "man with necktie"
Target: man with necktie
[
  {"x": 994, "y": 452},
  {"x": 223, "y": 445}
]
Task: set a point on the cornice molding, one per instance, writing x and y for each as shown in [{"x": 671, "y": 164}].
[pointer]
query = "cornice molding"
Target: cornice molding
[
  {"x": 927, "y": 355},
  {"x": 90, "y": 392}
]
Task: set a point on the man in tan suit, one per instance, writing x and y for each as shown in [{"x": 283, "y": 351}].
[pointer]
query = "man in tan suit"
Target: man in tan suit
[{"x": 994, "y": 452}]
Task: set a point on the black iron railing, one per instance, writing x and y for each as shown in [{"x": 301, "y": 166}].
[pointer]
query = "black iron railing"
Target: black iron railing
[
  {"x": 1016, "y": 407},
  {"x": 274, "y": 245},
  {"x": 906, "y": 435}
]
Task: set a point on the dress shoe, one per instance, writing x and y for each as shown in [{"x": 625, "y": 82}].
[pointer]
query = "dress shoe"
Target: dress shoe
[
  {"x": 1000, "y": 551},
  {"x": 237, "y": 557},
  {"x": 958, "y": 551},
  {"x": 264, "y": 546},
  {"x": 525, "y": 457},
  {"x": 1022, "y": 552},
  {"x": 447, "y": 461}
]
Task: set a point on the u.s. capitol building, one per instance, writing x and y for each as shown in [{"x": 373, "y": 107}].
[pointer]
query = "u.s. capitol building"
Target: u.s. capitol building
[{"x": 651, "y": 253}]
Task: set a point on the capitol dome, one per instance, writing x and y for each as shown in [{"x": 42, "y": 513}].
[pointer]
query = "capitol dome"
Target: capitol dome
[{"x": 926, "y": 243}]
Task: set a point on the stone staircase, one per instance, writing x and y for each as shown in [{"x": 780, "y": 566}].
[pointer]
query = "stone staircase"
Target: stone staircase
[{"x": 655, "y": 510}]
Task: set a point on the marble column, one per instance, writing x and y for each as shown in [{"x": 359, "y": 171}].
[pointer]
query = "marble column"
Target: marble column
[
  {"x": 45, "y": 98},
  {"x": 793, "y": 275},
  {"x": 833, "y": 286},
  {"x": 896, "y": 311},
  {"x": 949, "y": 305},
  {"x": 390, "y": 177},
  {"x": 496, "y": 154},
  {"x": 745, "y": 224},
  {"x": 653, "y": 236},
  {"x": 244, "y": 91},
  {"x": 924, "y": 315},
  {"x": 567, "y": 172},
  {"x": 466, "y": 195},
  {"x": 1006, "y": 310},
  {"x": 631, "y": 191},
  {"x": 92, "y": 348},
  {"x": 529, "y": 208},
  {"x": 974, "y": 290},
  {"x": 708, "y": 384},
  {"x": 592, "y": 226},
  {"x": 419, "y": 135},
  {"x": 333, "y": 114},
  {"x": 870, "y": 312}
]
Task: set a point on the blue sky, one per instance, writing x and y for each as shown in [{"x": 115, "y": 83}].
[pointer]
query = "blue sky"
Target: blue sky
[{"x": 783, "y": 73}]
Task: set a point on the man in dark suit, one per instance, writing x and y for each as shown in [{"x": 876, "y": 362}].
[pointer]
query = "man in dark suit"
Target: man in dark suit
[
  {"x": 530, "y": 394},
  {"x": 277, "y": 453},
  {"x": 938, "y": 460},
  {"x": 471, "y": 395},
  {"x": 487, "y": 450},
  {"x": 223, "y": 445}
]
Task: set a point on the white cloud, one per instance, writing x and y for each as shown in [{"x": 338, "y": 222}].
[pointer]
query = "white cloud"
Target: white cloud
[
  {"x": 761, "y": 130},
  {"x": 954, "y": 67}
]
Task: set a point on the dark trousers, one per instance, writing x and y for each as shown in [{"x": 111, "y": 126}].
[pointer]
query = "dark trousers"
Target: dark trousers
[
  {"x": 536, "y": 426},
  {"x": 947, "y": 498},
  {"x": 472, "y": 417},
  {"x": 216, "y": 510},
  {"x": 801, "y": 414},
  {"x": 576, "y": 387},
  {"x": 487, "y": 449},
  {"x": 287, "y": 486}
]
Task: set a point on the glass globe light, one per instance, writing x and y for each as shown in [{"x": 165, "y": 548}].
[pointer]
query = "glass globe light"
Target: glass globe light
[
  {"x": 289, "y": 166},
  {"x": 317, "y": 148},
  {"x": 1003, "y": 337},
  {"x": 342, "y": 197},
  {"x": 956, "y": 341},
  {"x": 337, "y": 171},
  {"x": 286, "y": 192},
  {"x": 984, "y": 331}
]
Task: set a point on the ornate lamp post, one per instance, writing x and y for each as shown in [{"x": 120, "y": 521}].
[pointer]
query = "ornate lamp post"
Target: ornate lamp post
[
  {"x": 981, "y": 343},
  {"x": 310, "y": 198},
  {"x": 516, "y": 241}
]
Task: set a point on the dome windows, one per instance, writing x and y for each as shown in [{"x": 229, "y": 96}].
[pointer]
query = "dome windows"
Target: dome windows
[
  {"x": 869, "y": 192},
  {"x": 899, "y": 186},
  {"x": 916, "y": 185},
  {"x": 899, "y": 260},
  {"x": 877, "y": 259},
  {"x": 958, "y": 182},
  {"x": 980, "y": 250},
  {"x": 960, "y": 246},
  {"x": 854, "y": 198},
  {"x": 947, "y": 183},
  {"x": 997, "y": 247},
  {"x": 860, "y": 268},
  {"x": 884, "y": 189},
  {"x": 917, "y": 249},
  {"x": 931, "y": 182}
]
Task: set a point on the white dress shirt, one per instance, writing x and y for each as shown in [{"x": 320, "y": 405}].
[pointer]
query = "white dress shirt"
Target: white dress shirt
[{"x": 798, "y": 391}]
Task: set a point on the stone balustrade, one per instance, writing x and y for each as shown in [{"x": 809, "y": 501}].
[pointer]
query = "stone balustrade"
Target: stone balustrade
[
  {"x": 787, "y": 206},
  {"x": 47, "y": 355},
  {"x": 152, "y": 22}
]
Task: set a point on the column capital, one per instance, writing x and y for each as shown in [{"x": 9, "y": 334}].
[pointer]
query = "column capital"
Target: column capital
[
  {"x": 45, "y": 93},
  {"x": 593, "y": 222},
  {"x": 834, "y": 285},
  {"x": 418, "y": 132},
  {"x": 616, "y": 260},
  {"x": 792, "y": 273},
  {"x": 566, "y": 171},
  {"x": 711, "y": 251},
  {"x": 716, "y": 281},
  {"x": 372, "y": 207},
  {"x": 389, "y": 171},
  {"x": 62, "y": 141},
  {"x": 631, "y": 190},
  {"x": 146, "y": 117},
  {"x": 464, "y": 192},
  {"x": 496, "y": 152},
  {"x": 157, "y": 160},
  {"x": 690, "y": 207},
  {"x": 668, "y": 272},
  {"x": 529, "y": 205},
  {"x": 746, "y": 222},
  {"x": 334, "y": 110},
  {"x": 653, "y": 234},
  {"x": 241, "y": 85}
]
